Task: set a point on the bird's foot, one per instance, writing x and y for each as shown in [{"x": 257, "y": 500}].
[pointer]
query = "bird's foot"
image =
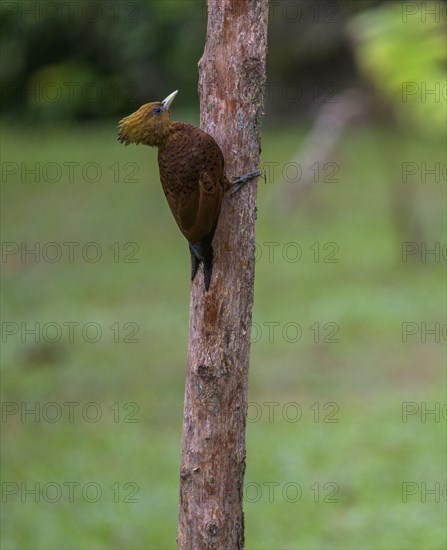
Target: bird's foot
[{"x": 239, "y": 182}]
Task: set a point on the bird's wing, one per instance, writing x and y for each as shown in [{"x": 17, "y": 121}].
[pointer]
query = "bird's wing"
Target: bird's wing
[
  {"x": 199, "y": 206},
  {"x": 193, "y": 177}
]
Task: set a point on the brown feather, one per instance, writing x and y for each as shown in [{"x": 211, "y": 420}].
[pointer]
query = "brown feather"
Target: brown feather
[{"x": 193, "y": 178}]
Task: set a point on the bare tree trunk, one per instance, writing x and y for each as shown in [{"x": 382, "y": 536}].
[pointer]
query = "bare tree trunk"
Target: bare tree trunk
[{"x": 232, "y": 80}]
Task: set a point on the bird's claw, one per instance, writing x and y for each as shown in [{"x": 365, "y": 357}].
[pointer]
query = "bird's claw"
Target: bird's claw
[{"x": 242, "y": 180}]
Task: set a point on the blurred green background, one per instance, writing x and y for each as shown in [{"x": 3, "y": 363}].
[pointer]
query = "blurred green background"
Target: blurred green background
[{"x": 342, "y": 451}]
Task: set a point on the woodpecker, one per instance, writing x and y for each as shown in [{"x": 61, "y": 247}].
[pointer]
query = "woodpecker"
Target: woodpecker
[{"x": 192, "y": 174}]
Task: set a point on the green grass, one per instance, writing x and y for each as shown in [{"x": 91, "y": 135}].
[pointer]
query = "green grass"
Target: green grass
[{"x": 367, "y": 455}]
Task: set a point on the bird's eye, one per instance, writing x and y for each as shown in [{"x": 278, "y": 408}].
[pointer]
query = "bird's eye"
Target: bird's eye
[{"x": 157, "y": 110}]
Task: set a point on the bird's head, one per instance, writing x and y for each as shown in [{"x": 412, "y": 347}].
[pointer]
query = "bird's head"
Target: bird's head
[{"x": 150, "y": 125}]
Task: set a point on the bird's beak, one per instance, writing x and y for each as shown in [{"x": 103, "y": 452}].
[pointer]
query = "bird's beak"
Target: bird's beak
[{"x": 167, "y": 102}]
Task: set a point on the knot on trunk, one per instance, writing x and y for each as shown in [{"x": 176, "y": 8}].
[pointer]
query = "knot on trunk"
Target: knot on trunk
[
  {"x": 186, "y": 473},
  {"x": 212, "y": 529},
  {"x": 206, "y": 372}
]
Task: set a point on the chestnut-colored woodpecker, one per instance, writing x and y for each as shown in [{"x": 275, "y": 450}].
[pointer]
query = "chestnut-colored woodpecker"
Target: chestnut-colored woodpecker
[{"x": 192, "y": 173}]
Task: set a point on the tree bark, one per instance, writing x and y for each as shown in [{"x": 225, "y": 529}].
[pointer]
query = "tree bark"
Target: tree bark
[{"x": 231, "y": 86}]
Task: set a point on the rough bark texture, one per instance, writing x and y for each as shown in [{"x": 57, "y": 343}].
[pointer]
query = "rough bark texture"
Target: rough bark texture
[{"x": 232, "y": 80}]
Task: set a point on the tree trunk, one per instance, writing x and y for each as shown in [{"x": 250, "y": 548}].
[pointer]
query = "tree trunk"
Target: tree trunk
[{"x": 232, "y": 80}]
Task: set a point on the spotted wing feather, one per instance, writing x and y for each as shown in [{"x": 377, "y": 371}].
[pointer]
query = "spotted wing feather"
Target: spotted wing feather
[{"x": 192, "y": 174}]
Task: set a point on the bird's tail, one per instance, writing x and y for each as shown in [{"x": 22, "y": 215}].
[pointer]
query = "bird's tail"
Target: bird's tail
[{"x": 202, "y": 252}]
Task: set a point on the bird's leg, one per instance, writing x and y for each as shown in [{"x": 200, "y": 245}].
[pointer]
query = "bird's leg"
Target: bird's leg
[{"x": 239, "y": 182}]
